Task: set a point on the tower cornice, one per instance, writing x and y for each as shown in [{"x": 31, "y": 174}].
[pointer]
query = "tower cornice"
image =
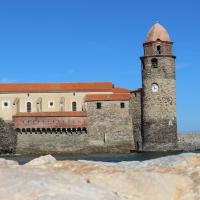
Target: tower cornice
[
  {"x": 153, "y": 56},
  {"x": 153, "y": 42}
]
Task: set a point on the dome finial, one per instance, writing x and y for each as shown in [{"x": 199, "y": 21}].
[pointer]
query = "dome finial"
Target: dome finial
[{"x": 156, "y": 32}]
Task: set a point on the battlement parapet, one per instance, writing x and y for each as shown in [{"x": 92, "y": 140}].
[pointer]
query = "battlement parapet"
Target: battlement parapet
[{"x": 50, "y": 121}]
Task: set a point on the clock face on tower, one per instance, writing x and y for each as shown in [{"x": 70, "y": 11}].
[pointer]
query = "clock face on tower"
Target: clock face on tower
[{"x": 155, "y": 87}]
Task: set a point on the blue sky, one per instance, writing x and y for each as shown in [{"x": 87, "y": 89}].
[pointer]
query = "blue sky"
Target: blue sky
[{"x": 99, "y": 40}]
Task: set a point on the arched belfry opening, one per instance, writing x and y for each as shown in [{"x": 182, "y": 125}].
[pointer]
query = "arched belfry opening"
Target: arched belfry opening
[
  {"x": 158, "y": 49},
  {"x": 154, "y": 62}
]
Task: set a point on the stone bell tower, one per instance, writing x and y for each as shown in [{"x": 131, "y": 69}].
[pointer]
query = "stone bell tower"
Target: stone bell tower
[{"x": 159, "y": 127}]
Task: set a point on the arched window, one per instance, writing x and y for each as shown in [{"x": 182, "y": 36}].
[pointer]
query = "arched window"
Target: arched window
[
  {"x": 154, "y": 62},
  {"x": 28, "y": 106},
  {"x": 74, "y": 106},
  {"x": 158, "y": 49}
]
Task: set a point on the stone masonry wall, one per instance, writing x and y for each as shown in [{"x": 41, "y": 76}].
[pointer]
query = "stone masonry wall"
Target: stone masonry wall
[
  {"x": 109, "y": 129},
  {"x": 135, "y": 110},
  {"x": 53, "y": 143},
  {"x": 151, "y": 48},
  {"x": 111, "y": 126},
  {"x": 159, "y": 108},
  {"x": 188, "y": 142},
  {"x": 8, "y": 137}
]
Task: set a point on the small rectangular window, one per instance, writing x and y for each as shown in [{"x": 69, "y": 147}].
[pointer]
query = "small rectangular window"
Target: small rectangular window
[
  {"x": 122, "y": 105},
  {"x": 98, "y": 105}
]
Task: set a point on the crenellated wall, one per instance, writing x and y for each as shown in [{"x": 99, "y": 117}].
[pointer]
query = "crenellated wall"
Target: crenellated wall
[
  {"x": 49, "y": 122},
  {"x": 62, "y": 132},
  {"x": 108, "y": 129}
]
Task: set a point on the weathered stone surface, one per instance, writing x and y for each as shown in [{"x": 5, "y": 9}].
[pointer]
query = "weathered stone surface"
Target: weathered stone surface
[
  {"x": 42, "y": 160},
  {"x": 159, "y": 126},
  {"x": 173, "y": 177},
  {"x": 110, "y": 127},
  {"x": 7, "y": 163},
  {"x": 136, "y": 115},
  {"x": 55, "y": 142},
  {"x": 8, "y": 137},
  {"x": 188, "y": 142},
  {"x": 109, "y": 130}
]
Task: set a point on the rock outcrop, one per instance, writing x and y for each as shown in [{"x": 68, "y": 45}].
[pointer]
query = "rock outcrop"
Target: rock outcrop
[
  {"x": 41, "y": 161},
  {"x": 169, "y": 178}
]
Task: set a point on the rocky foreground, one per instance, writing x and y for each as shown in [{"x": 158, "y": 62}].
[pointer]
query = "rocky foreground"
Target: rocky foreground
[{"x": 168, "y": 178}]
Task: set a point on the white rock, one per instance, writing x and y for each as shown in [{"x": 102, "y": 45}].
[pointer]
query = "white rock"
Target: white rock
[
  {"x": 44, "y": 184},
  {"x": 172, "y": 177},
  {"x": 7, "y": 163},
  {"x": 41, "y": 160}
]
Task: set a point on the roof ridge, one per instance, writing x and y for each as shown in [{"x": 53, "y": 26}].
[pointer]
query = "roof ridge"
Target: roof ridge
[
  {"x": 55, "y": 82},
  {"x": 56, "y": 87}
]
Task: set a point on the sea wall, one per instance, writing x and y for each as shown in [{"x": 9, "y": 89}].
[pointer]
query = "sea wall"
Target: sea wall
[
  {"x": 41, "y": 143},
  {"x": 85, "y": 142},
  {"x": 108, "y": 129},
  {"x": 189, "y": 142},
  {"x": 115, "y": 141},
  {"x": 68, "y": 143}
]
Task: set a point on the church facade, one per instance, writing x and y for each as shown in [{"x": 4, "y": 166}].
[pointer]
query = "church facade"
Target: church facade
[{"x": 98, "y": 117}]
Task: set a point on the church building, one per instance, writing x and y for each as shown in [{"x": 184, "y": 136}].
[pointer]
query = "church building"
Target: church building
[{"x": 98, "y": 117}]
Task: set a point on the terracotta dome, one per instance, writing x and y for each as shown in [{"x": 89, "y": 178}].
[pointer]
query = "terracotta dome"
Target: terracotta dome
[{"x": 156, "y": 32}]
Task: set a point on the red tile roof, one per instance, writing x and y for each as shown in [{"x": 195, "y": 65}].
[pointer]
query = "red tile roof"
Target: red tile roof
[
  {"x": 120, "y": 90},
  {"x": 107, "y": 97},
  {"x": 51, "y": 114},
  {"x": 56, "y": 87}
]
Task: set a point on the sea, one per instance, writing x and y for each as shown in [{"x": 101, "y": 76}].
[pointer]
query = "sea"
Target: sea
[{"x": 22, "y": 159}]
